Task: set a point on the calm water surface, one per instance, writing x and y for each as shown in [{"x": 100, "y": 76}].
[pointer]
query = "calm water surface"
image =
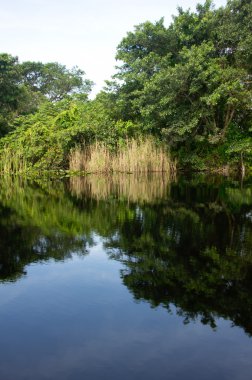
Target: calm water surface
[{"x": 126, "y": 278}]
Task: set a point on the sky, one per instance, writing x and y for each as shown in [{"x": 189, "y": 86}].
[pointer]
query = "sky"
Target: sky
[{"x": 78, "y": 32}]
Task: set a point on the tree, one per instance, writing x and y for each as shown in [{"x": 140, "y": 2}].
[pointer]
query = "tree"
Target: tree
[
  {"x": 190, "y": 82},
  {"x": 54, "y": 80},
  {"x": 24, "y": 87},
  {"x": 140, "y": 53},
  {"x": 197, "y": 98},
  {"x": 10, "y": 90}
]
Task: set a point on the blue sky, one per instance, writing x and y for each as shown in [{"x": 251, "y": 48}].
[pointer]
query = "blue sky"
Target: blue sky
[{"x": 78, "y": 32}]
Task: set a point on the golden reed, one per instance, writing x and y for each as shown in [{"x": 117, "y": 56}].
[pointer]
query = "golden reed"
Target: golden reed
[{"x": 135, "y": 157}]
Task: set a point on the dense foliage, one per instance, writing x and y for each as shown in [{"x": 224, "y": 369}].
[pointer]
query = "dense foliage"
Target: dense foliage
[{"x": 189, "y": 85}]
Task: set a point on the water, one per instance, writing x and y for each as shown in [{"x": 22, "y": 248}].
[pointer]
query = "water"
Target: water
[{"x": 126, "y": 278}]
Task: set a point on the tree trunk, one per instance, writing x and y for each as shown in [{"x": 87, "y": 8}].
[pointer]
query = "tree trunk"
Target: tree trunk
[{"x": 228, "y": 118}]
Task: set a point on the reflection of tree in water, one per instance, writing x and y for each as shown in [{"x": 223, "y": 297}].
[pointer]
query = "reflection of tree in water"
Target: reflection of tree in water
[
  {"x": 37, "y": 225},
  {"x": 191, "y": 248},
  {"x": 22, "y": 245},
  {"x": 196, "y": 255}
]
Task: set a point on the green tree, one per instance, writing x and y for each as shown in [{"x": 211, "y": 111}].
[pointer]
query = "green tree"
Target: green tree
[
  {"x": 197, "y": 98},
  {"x": 10, "y": 90},
  {"x": 190, "y": 82},
  {"x": 140, "y": 54},
  {"x": 54, "y": 80}
]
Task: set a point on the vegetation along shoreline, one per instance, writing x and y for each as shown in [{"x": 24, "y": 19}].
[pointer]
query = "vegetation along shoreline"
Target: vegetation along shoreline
[{"x": 181, "y": 99}]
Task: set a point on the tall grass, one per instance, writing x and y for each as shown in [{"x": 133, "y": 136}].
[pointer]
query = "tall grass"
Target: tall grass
[{"x": 136, "y": 156}]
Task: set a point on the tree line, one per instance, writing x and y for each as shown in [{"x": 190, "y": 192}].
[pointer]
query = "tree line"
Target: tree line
[{"x": 188, "y": 85}]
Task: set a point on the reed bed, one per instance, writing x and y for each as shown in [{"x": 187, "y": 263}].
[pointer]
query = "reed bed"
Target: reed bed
[
  {"x": 132, "y": 187},
  {"x": 136, "y": 156}
]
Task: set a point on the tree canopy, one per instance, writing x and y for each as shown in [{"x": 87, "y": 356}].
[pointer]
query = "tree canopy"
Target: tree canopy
[
  {"x": 25, "y": 86},
  {"x": 189, "y": 82}
]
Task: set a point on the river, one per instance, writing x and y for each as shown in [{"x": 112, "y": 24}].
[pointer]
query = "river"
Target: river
[{"x": 126, "y": 278}]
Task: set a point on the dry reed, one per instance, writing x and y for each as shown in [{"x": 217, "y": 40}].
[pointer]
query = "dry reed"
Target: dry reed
[{"x": 135, "y": 157}]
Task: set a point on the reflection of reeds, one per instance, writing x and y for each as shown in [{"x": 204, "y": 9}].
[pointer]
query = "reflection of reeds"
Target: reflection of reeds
[
  {"x": 136, "y": 157},
  {"x": 134, "y": 188},
  {"x": 12, "y": 162}
]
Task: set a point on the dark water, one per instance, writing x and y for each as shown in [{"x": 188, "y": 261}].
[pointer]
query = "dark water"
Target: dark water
[{"x": 126, "y": 278}]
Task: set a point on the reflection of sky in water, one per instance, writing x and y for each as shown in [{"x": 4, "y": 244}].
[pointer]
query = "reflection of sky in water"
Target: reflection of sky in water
[
  {"x": 249, "y": 216},
  {"x": 76, "y": 320}
]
